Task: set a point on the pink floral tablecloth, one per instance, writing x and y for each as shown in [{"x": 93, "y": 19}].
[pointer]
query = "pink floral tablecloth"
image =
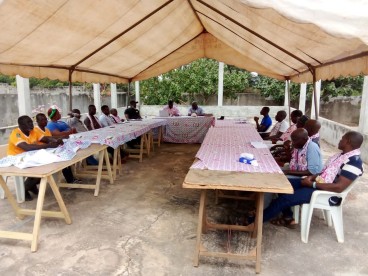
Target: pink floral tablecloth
[
  {"x": 187, "y": 130},
  {"x": 222, "y": 147},
  {"x": 231, "y": 136},
  {"x": 118, "y": 134},
  {"x": 233, "y": 123}
]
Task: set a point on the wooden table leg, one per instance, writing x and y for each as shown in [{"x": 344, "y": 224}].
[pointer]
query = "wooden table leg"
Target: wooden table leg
[
  {"x": 259, "y": 224},
  {"x": 10, "y": 198},
  {"x": 101, "y": 155},
  {"x": 38, "y": 214},
  {"x": 160, "y": 133},
  {"x": 108, "y": 166},
  {"x": 115, "y": 162},
  {"x": 59, "y": 199},
  {"x": 152, "y": 144},
  {"x": 147, "y": 143},
  {"x": 202, "y": 207},
  {"x": 120, "y": 166},
  {"x": 204, "y": 217}
]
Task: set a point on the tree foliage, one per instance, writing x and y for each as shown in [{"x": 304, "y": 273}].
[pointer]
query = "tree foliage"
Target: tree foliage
[
  {"x": 343, "y": 86},
  {"x": 198, "y": 79},
  {"x": 275, "y": 89},
  {"x": 7, "y": 79}
]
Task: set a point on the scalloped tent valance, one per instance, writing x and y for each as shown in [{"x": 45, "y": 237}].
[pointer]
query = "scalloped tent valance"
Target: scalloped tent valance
[{"x": 121, "y": 41}]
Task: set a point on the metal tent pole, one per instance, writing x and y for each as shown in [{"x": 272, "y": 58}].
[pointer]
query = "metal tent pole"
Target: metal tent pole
[
  {"x": 315, "y": 95},
  {"x": 289, "y": 97},
  {"x": 128, "y": 98},
  {"x": 70, "y": 90}
]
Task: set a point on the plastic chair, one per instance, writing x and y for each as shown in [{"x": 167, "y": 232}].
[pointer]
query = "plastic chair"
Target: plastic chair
[
  {"x": 319, "y": 200},
  {"x": 19, "y": 188}
]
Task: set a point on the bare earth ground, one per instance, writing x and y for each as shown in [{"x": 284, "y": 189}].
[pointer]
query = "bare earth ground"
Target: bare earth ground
[{"x": 145, "y": 224}]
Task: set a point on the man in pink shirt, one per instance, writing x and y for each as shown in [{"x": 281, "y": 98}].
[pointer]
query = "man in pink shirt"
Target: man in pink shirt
[{"x": 171, "y": 109}]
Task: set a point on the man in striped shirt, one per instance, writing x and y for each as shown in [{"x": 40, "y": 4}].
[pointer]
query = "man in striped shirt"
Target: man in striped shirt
[{"x": 339, "y": 172}]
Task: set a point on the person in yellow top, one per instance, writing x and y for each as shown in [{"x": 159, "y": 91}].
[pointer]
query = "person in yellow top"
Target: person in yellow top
[{"x": 27, "y": 138}]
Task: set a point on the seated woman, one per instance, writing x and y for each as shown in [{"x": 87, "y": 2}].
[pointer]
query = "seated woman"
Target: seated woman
[{"x": 58, "y": 128}]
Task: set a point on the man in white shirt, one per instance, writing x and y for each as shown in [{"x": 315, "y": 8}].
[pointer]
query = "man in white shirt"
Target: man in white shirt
[
  {"x": 171, "y": 109},
  {"x": 104, "y": 118},
  {"x": 280, "y": 127}
]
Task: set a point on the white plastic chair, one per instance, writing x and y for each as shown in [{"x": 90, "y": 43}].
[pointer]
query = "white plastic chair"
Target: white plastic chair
[
  {"x": 19, "y": 188},
  {"x": 319, "y": 200},
  {"x": 19, "y": 182},
  {"x": 267, "y": 130}
]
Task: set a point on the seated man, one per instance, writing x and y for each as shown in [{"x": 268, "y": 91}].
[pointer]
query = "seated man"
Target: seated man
[
  {"x": 114, "y": 115},
  {"x": 266, "y": 120},
  {"x": 105, "y": 118},
  {"x": 282, "y": 153},
  {"x": 195, "y": 110},
  {"x": 294, "y": 116},
  {"x": 26, "y": 138},
  {"x": 132, "y": 113},
  {"x": 75, "y": 122},
  {"x": 313, "y": 127},
  {"x": 306, "y": 157},
  {"x": 279, "y": 128},
  {"x": 58, "y": 128},
  {"x": 41, "y": 127},
  {"x": 339, "y": 172},
  {"x": 301, "y": 121},
  {"x": 171, "y": 109},
  {"x": 91, "y": 121}
]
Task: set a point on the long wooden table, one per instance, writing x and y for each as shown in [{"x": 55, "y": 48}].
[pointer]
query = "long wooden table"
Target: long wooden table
[
  {"x": 46, "y": 174},
  {"x": 238, "y": 181}
]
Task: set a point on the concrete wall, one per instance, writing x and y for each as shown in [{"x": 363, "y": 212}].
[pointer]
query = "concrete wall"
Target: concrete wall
[
  {"x": 345, "y": 110},
  {"x": 42, "y": 99},
  {"x": 332, "y": 132}
]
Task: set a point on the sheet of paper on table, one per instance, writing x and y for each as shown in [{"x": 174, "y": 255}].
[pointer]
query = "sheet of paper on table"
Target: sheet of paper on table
[{"x": 259, "y": 145}]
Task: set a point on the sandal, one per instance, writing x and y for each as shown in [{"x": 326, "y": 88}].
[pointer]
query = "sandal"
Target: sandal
[{"x": 287, "y": 222}]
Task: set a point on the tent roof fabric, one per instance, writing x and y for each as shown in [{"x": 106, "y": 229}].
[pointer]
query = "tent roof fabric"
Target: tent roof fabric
[{"x": 122, "y": 41}]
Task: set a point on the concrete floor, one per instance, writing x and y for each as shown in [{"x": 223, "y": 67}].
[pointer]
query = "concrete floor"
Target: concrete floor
[{"x": 145, "y": 224}]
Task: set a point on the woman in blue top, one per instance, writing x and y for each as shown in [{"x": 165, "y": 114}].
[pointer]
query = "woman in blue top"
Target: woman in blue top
[{"x": 56, "y": 127}]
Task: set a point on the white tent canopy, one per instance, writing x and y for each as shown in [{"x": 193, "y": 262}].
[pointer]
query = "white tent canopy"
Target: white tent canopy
[{"x": 121, "y": 41}]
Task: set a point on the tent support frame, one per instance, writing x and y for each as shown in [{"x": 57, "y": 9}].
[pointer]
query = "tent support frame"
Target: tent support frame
[{"x": 71, "y": 70}]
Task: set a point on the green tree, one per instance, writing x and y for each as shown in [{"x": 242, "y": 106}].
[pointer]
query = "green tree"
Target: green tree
[
  {"x": 7, "y": 79},
  {"x": 198, "y": 79},
  {"x": 342, "y": 86}
]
